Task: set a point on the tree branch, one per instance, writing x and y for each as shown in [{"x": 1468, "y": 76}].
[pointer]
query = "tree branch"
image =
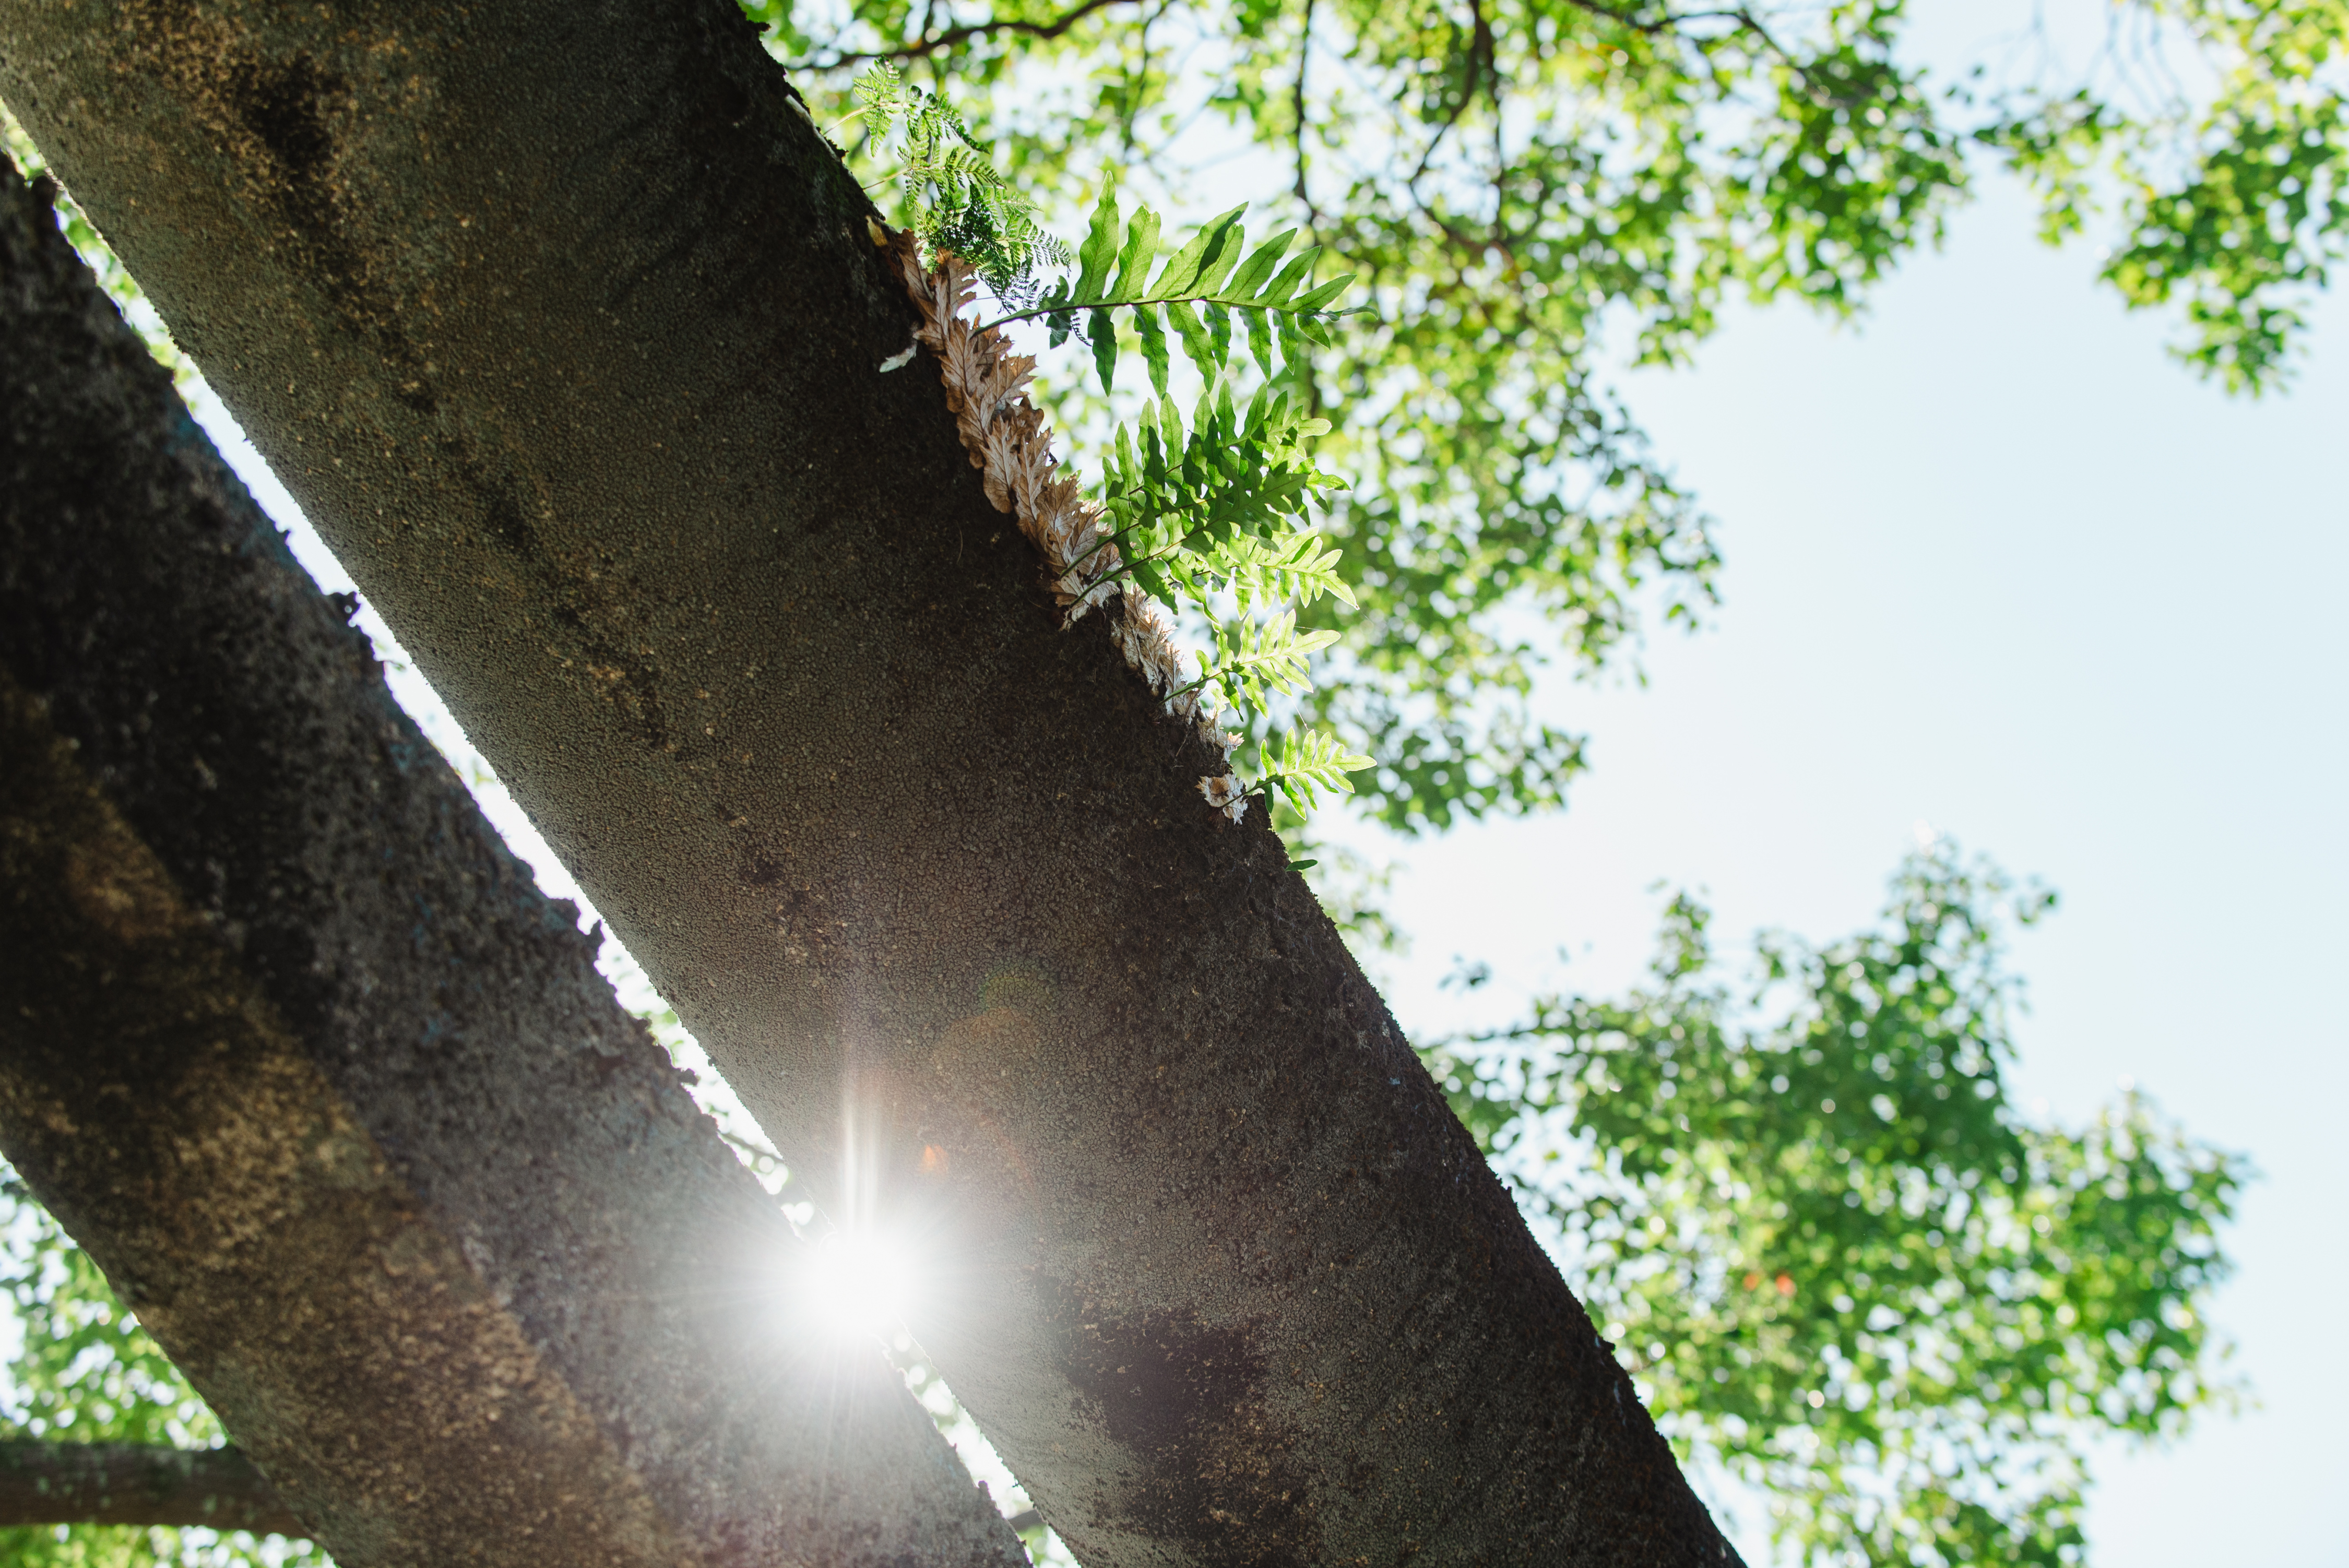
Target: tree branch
[
  {"x": 1657, "y": 27},
  {"x": 963, "y": 35},
  {"x": 1747, "y": 22},
  {"x": 137, "y": 1483}
]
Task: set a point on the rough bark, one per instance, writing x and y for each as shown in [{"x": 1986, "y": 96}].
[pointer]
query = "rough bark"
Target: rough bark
[
  {"x": 137, "y": 1483},
  {"x": 564, "y": 327},
  {"x": 292, "y": 1045}
]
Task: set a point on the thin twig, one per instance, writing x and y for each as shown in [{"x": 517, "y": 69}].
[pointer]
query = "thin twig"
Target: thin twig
[
  {"x": 963, "y": 35},
  {"x": 1304, "y": 61},
  {"x": 1671, "y": 22}
]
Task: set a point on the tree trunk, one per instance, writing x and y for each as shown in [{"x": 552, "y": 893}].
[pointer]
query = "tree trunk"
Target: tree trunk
[
  {"x": 294, "y": 1048},
  {"x": 564, "y": 327},
  {"x": 135, "y": 1483}
]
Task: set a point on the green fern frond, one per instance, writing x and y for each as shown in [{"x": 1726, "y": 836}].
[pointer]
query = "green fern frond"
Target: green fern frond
[
  {"x": 1310, "y": 760},
  {"x": 959, "y": 202},
  {"x": 1194, "y": 295},
  {"x": 1253, "y": 661},
  {"x": 1294, "y": 568},
  {"x": 1243, "y": 472},
  {"x": 1209, "y": 517}
]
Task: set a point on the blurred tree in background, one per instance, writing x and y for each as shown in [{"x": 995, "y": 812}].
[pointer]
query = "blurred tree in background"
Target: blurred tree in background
[{"x": 1836, "y": 1256}]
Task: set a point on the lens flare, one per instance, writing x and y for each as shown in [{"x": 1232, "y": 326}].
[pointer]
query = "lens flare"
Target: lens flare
[{"x": 859, "y": 1283}]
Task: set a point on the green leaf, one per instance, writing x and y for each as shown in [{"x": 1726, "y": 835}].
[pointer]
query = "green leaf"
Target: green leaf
[
  {"x": 1307, "y": 761},
  {"x": 956, "y": 198},
  {"x": 1300, "y": 268},
  {"x": 878, "y": 94},
  {"x": 1252, "y": 661},
  {"x": 1250, "y": 279},
  {"x": 1153, "y": 580},
  {"x": 1170, "y": 425},
  {"x": 1153, "y": 345},
  {"x": 1320, "y": 297},
  {"x": 1295, "y": 346},
  {"x": 1103, "y": 333},
  {"x": 1226, "y": 242},
  {"x": 1133, "y": 261},
  {"x": 1259, "y": 336},
  {"x": 1098, "y": 253},
  {"x": 1181, "y": 276},
  {"x": 1298, "y": 568},
  {"x": 1198, "y": 346}
]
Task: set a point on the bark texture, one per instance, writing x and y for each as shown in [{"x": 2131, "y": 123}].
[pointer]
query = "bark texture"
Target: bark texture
[
  {"x": 137, "y": 1483},
  {"x": 292, "y": 1045},
  {"x": 565, "y": 327}
]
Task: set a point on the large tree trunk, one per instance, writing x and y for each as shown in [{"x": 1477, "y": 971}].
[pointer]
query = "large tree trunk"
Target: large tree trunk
[
  {"x": 564, "y": 327},
  {"x": 292, "y": 1045}
]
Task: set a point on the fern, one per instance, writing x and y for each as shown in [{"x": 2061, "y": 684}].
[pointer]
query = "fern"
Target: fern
[
  {"x": 1195, "y": 296},
  {"x": 1309, "y": 760},
  {"x": 959, "y": 202},
  {"x": 1254, "y": 660},
  {"x": 1295, "y": 568},
  {"x": 1215, "y": 518},
  {"x": 1222, "y": 506}
]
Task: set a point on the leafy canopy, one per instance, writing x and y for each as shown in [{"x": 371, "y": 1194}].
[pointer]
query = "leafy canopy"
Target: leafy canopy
[
  {"x": 1519, "y": 183},
  {"x": 1831, "y": 1251}
]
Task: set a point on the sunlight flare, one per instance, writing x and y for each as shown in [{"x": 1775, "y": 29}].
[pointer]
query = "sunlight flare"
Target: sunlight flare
[{"x": 861, "y": 1283}]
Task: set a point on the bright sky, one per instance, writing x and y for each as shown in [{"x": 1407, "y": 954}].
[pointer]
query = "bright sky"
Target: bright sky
[{"x": 1999, "y": 566}]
